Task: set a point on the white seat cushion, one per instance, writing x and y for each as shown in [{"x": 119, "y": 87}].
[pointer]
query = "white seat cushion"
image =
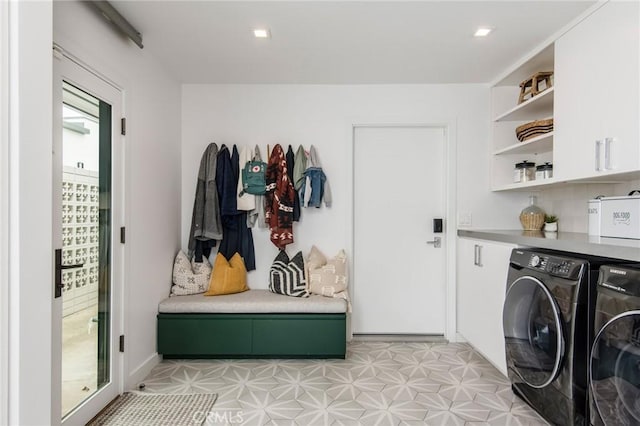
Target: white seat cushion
[{"x": 251, "y": 302}]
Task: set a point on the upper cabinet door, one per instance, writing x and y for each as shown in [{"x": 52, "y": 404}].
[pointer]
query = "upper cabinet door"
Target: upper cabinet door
[{"x": 597, "y": 94}]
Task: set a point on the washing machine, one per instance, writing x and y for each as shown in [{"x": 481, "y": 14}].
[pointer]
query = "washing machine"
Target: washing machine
[
  {"x": 614, "y": 366},
  {"x": 548, "y": 329}
]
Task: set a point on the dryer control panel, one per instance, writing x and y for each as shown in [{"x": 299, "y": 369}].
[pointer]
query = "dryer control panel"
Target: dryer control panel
[{"x": 553, "y": 265}]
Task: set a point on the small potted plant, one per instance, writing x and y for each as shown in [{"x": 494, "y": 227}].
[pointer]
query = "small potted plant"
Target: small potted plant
[{"x": 550, "y": 223}]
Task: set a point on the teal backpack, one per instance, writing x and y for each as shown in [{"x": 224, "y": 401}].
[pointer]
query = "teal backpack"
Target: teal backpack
[{"x": 254, "y": 178}]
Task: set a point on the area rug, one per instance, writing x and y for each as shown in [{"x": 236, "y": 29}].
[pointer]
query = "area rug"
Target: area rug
[{"x": 142, "y": 409}]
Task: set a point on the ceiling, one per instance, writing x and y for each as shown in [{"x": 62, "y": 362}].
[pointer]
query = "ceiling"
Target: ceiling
[{"x": 344, "y": 42}]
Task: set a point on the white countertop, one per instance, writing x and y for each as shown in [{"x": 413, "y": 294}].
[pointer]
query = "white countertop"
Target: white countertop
[{"x": 574, "y": 242}]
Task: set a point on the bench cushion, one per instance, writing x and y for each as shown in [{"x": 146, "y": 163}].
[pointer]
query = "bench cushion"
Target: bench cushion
[{"x": 252, "y": 302}]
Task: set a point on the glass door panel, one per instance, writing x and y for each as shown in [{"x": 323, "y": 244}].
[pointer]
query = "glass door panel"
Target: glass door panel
[{"x": 85, "y": 261}]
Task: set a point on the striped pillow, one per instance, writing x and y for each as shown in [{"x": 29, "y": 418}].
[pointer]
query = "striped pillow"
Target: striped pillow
[{"x": 287, "y": 276}]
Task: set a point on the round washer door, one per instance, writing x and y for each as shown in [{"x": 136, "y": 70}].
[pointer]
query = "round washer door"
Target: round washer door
[
  {"x": 614, "y": 370},
  {"x": 533, "y": 332}
]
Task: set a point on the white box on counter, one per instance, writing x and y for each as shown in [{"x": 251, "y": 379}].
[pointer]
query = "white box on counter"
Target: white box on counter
[
  {"x": 620, "y": 217},
  {"x": 593, "y": 213}
]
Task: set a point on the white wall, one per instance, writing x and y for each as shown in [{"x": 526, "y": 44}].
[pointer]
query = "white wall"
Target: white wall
[
  {"x": 152, "y": 175},
  {"x": 569, "y": 202},
  {"x": 26, "y": 171},
  {"x": 322, "y": 115}
]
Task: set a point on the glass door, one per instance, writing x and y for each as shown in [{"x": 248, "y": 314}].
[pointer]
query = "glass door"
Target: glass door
[
  {"x": 533, "y": 332},
  {"x": 615, "y": 368},
  {"x": 86, "y": 303}
]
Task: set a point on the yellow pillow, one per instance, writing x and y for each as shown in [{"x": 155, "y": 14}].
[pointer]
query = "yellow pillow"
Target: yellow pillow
[{"x": 227, "y": 277}]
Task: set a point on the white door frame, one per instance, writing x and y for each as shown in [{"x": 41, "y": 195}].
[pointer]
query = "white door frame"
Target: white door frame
[
  {"x": 450, "y": 226},
  {"x": 117, "y": 305},
  {"x": 4, "y": 213}
]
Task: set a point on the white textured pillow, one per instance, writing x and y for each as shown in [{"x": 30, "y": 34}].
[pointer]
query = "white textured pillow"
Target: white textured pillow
[
  {"x": 329, "y": 278},
  {"x": 190, "y": 277}
]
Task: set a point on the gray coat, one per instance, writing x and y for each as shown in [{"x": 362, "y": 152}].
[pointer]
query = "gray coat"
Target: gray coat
[{"x": 206, "y": 224}]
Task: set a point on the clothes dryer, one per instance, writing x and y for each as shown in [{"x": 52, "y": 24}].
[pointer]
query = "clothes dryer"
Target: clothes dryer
[
  {"x": 548, "y": 329},
  {"x": 614, "y": 366}
]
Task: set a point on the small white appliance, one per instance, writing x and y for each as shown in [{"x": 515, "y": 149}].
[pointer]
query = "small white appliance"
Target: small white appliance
[{"x": 620, "y": 217}]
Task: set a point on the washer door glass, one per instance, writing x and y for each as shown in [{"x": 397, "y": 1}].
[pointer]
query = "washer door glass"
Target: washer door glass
[
  {"x": 533, "y": 332},
  {"x": 615, "y": 370}
]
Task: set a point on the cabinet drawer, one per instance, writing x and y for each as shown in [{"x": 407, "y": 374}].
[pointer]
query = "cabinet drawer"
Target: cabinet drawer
[
  {"x": 193, "y": 334},
  {"x": 303, "y": 335}
]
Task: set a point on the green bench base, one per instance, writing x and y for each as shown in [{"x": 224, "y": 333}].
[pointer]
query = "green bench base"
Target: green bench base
[{"x": 252, "y": 335}]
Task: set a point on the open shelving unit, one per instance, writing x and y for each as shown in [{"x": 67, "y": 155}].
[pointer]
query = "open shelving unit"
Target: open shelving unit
[{"x": 508, "y": 115}]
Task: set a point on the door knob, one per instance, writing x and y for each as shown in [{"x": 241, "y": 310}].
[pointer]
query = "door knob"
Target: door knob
[{"x": 437, "y": 242}]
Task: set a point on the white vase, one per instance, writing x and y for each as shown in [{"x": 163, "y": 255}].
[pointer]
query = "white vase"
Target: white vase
[{"x": 551, "y": 227}]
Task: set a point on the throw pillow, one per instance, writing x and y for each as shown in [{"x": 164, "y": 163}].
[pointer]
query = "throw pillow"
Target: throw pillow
[
  {"x": 287, "y": 276},
  {"x": 190, "y": 277},
  {"x": 228, "y": 276},
  {"x": 316, "y": 258},
  {"x": 329, "y": 278}
]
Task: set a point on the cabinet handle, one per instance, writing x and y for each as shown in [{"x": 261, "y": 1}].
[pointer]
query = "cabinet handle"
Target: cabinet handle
[
  {"x": 477, "y": 255},
  {"x": 598, "y": 145},
  {"x": 607, "y": 153}
]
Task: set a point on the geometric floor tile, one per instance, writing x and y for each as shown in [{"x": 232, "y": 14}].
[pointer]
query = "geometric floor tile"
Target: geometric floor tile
[{"x": 380, "y": 383}]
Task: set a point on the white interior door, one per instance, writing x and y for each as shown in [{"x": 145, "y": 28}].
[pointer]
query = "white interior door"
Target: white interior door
[
  {"x": 399, "y": 278},
  {"x": 87, "y": 189}
]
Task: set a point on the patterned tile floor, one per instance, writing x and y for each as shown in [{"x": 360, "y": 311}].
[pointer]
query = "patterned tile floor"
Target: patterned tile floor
[{"x": 378, "y": 384}]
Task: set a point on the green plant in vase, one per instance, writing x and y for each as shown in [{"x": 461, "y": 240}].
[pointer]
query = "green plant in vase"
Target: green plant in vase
[{"x": 550, "y": 223}]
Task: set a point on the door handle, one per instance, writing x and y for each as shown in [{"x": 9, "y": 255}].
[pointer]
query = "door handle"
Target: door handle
[
  {"x": 437, "y": 242},
  {"x": 57, "y": 279},
  {"x": 477, "y": 255},
  {"x": 77, "y": 265},
  {"x": 598, "y": 164},
  {"x": 607, "y": 153}
]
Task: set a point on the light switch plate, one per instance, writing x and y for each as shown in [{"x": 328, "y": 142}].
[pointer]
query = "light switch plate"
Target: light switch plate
[{"x": 464, "y": 219}]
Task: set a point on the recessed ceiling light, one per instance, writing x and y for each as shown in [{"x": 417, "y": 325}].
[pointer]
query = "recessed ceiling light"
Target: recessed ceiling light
[
  {"x": 483, "y": 32},
  {"x": 261, "y": 33}
]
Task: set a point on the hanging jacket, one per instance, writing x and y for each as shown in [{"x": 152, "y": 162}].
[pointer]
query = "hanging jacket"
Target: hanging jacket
[
  {"x": 296, "y": 199},
  {"x": 237, "y": 236},
  {"x": 299, "y": 166},
  {"x": 279, "y": 199},
  {"x": 316, "y": 188},
  {"x": 206, "y": 223},
  {"x": 226, "y": 182}
]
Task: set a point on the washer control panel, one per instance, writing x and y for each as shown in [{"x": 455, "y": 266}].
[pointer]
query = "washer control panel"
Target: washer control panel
[
  {"x": 560, "y": 267},
  {"x": 553, "y": 265}
]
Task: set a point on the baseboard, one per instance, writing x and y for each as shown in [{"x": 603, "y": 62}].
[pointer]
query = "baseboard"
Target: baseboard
[
  {"x": 460, "y": 338},
  {"x": 431, "y": 338},
  {"x": 142, "y": 371}
]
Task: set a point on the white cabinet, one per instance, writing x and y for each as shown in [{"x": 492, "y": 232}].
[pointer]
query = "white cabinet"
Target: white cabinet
[
  {"x": 597, "y": 94},
  {"x": 482, "y": 281}
]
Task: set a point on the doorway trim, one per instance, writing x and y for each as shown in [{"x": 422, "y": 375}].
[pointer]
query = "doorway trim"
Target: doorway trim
[
  {"x": 450, "y": 227},
  {"x": 4, "y": 213}
]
